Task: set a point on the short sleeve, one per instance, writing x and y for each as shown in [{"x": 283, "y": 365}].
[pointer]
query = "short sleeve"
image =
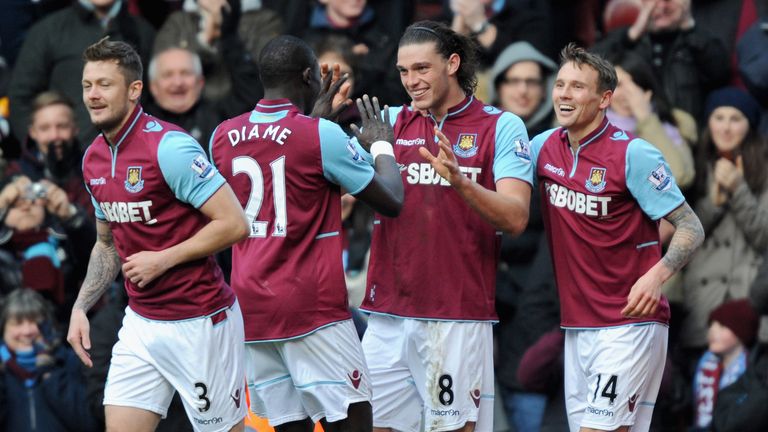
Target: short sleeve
[
  {"x": 211, "y": 141},
  {"x": 97, "y": 209},
  {"x": 650, "y": 180},
  {"x": 186, "y": 169},
  {"x": 343, "y": 164},
  {"x": 513, "y": 151},
  {"x": 98, "y": 212}
]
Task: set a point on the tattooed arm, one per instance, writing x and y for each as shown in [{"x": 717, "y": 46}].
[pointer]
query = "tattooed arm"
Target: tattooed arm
[
  {"x": 103, "y": 267},
  {"x": 644, "y": 296},
  {"x": 689, "y": 235}
]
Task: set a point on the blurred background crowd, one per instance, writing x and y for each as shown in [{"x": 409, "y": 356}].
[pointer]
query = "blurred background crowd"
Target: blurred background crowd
[{"x": 693, "y": 81}]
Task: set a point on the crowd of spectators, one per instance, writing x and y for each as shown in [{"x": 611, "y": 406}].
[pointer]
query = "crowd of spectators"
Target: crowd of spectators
[{"x": 693, "y": 81}]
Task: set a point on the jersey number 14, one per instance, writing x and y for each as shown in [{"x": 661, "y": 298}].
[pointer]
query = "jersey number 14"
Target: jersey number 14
[{"x": 249, "y": 166}]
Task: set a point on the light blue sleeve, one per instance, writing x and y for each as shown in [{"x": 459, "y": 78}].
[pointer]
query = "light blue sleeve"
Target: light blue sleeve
[
  {"x": 342, "y": 162},
  {"x": 210, "y": 144},
  {"x": 513, "y": 152},
  {"x": 393, "y": 113},
  {"x": 536, "y": 144},
  {"x": 650, "y": 180},
  {"x": 97, "y": 210},
  {"x": 186, "y": 170}
]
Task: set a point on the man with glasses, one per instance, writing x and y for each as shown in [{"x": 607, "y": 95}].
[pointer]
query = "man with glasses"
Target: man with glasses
[{"x": 522, "y": 77}]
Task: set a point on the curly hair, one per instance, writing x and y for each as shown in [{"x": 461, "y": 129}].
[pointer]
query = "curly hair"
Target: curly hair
[{"x": 447, "y": 42}]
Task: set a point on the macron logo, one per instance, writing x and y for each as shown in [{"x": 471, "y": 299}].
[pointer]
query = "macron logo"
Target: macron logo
[
  {"x": 411, "y": 142},
  {"x": 555, "y": 170}
]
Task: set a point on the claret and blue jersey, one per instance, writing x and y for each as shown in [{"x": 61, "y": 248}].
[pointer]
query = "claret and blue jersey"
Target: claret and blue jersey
[
  {"x": 149, "y": 188},
  {"x": 287, "y": 170},
  {"x": 437, "y": 259},
  {"x": 602, "y": 204}
]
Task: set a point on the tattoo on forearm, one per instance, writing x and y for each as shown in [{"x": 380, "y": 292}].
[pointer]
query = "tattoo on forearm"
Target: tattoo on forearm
[
  {"x": 103, "y": 267},
  {"x": 689, "y": 234}
]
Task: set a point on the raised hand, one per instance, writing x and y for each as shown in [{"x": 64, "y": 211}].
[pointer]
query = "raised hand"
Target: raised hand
[
  {"x": 375, "y": 124},
  {"x": 445, "y": 162},
  {"x": 643, "y": 20},
  {"x": 729, "y": 174},
  {"x": 333, "y": 98}
]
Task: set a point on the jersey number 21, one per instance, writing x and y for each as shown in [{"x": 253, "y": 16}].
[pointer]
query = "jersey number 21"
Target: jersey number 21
[{"x": 249, "y": 166}]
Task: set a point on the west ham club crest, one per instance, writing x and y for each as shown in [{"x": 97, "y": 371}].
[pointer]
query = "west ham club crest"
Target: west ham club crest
[{"x": 133, "y": 181}]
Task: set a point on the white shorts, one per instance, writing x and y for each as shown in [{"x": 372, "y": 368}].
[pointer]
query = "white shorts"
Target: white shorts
[
  {"x": 612, "y": 375},
  {"x": 441, "y": 370},
  {"x": 316, "y": 376},
  {"x": 201, "y": 358}
]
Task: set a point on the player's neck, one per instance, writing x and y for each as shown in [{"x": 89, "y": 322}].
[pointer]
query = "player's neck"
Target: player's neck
[
  {"x": 577, "y": 135},
  {"x": 112, "y": 133},
  {"x": 454, "y": 97},
  {"x": 296, "y": 99}
]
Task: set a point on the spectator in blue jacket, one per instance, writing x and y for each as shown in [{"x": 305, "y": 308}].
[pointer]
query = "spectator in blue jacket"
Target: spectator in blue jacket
[{"x": 44, "y": 389}]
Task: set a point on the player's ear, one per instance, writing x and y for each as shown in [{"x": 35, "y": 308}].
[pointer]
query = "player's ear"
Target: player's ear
[
  {"x": 605, "y": 101},
  {"x": 454, "y": 62},
  {"x": 306, "y": 76},
  {"x": 134, "y": 90}
]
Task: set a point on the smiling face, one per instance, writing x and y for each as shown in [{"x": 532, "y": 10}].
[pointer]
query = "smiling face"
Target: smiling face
[
  {"x": 728, "y": 127},
  {"x": 429, "y": 79},
  {"x": 107, "y": 96},
  {"x": 20, "y": 334},
  {"x": 521, "y": 91},
  {"x": 176, "y": 83},
  {"x": 579, "y": 105},
  {"x": 52, "y": 123}
]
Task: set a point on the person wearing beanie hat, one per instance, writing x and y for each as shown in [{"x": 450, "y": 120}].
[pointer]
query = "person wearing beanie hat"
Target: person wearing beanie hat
[
  {"x": 739, "y": 317},
  {"x": 736, "y": 98},
  {"x": 732, "y": 329},
  {"x": 732, "y": 203}
]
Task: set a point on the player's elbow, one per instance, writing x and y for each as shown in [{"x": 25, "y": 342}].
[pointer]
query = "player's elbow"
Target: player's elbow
[
  {"x": 515, "y": 224},
  {"x": 240, "y": 228},
  {"x": 391, "y": 208}
]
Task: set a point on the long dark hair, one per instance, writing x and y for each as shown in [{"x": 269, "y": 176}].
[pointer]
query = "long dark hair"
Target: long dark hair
[
  {"x": 447, "y": 42},
  {"x": 754, "y": 155}
]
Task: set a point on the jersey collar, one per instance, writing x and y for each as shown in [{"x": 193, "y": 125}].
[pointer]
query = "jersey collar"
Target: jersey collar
[
  {"x": 590, "y": 137},
  {"x": 460, "y": 108},
  {"x": 127, "y": 127},
  {"x": 267, "y": 106}
]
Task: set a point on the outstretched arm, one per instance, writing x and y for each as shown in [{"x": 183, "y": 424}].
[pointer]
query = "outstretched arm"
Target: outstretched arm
[
  {"x": 385, "y": 191},
  {"x": 505, "y": 208},
  {"x": 689, "y": 234},
  {"x": 103, "y": 267}
]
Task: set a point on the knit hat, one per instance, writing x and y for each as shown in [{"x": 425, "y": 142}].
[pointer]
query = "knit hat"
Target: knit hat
[
  {"x": 740, "y": 317},
  {"x": 737, "y": 98}
]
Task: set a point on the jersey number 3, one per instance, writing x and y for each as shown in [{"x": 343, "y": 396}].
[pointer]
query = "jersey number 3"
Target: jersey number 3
[{"x": 249, "y": 166}]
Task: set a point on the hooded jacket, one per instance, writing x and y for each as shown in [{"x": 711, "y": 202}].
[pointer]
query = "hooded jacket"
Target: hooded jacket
[{"x": 541, "y": 119}]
